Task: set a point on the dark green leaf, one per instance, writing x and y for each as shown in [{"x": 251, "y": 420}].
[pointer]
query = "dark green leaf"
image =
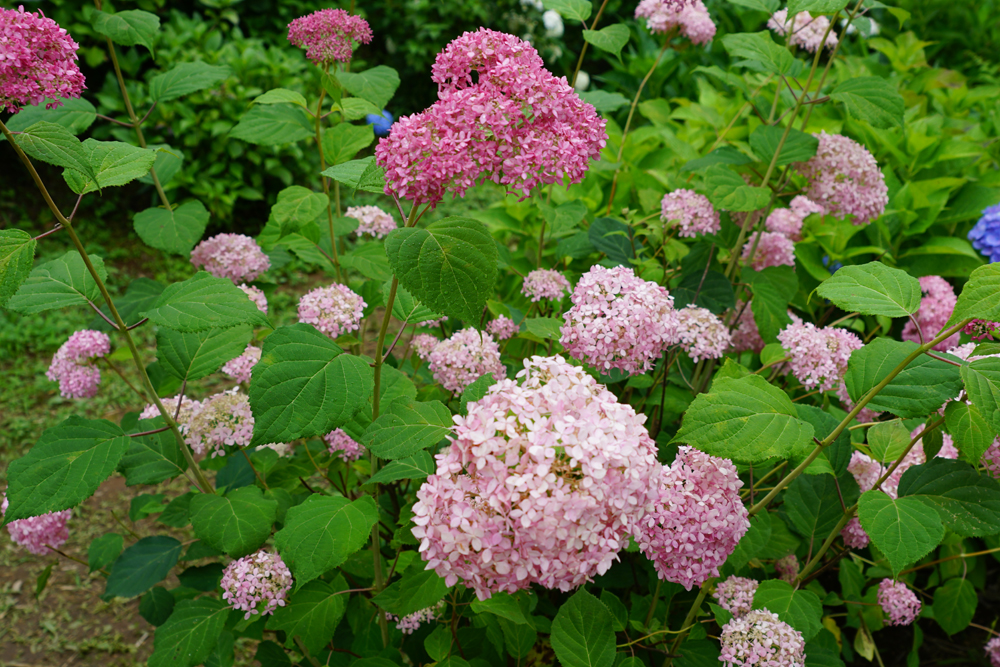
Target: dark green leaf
[
  {"x": 955, "y": 605},
  {"x": 544, "y": 327},
  {"x": 582, "y": 633},
  {"x": 104, "y": 551},
  {"x": 770, "y": 311},
  {"x": 761, "y": 53},
  {"x": 17, "y": 254},
  {"x": 797, "y": 147},
  {"x": 168, "y": 162},
  {"x": 769, "y": 6},
  {"x": 190, "y": 634},
  {"x": 156, "y": 606},
  {"x": 174, "y": 231},
  {"x": 75, "y": 114},
  {"x": 503, "y": 605},
  {"x": 476, "y": 391},
  {"x": 613, "y": 238},
  {"x": 406, "y": 427},
  {"x": 56, "y": 145},
  {"x": 721, "y": 155},
  {"x": 62, "y": 282},
  {"x": 816, "y": 6},
  {"x": 237, "y": 523},
  {"x": 610, "y": 39},
  {"x": 186, "y": 78},
  {"x": 202, "y": 577},
  {"x": 971, "y": 432},
  {"x": 204, "y": 302},
  {"x": 369, "y": 260},
  {"x": 713, "y": 291},
  {"x": 967, "y": 502},
  {"x": 311, "y": 614},
  {"x": 377, "y": 85},
  {"x": 905, "y": 529},
  {"x": 752, "y": 542},
  {"x": 42, "y": 580},
  {"x": 921, "y": 388},
  {"x": 153, "y": 458},
  {"x": 873, "y": 289},
  {"x": 813, "y": 504},
  {"x": 979, "y": 296},
  {"x": 192, "y": 356},
  {"x": 127, "y": 28},
  {"x": 801, "y": 608},
  {"x": 871, "y": 99},
  {"x": 271, "y": 125},
  {"x": 143, "y": 564},
  {"x": 982, "y": 382},
  {"x": 417, "y": 589},
  {"x": 418, "y": 466}
]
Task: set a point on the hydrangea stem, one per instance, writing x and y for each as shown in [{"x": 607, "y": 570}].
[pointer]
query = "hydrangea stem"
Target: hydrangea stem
[
  {"x": 326, "y": 181},
  {"x": 688, "y": 621},
  {"x": 583, "y": 49}
]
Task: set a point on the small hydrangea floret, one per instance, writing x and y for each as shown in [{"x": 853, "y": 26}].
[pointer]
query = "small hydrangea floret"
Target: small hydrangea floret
[
  {"x": 333, "y": 310},
  {"x": 544, "y": 284},
  {"x": 372, "y": 220},
  {"x": 256, "y": 584},
  {"x": 72, "y": 365},
  {"x": 844, "y": 178},
  {"x": 691, "y": 212},
  {"x": 38, "y": 533},
  {"x": 464, "y": 358},
  {"x": 232, "y": 256},
  {"x": 900, "y": 604},
  {"x": 760, "y": 639}
]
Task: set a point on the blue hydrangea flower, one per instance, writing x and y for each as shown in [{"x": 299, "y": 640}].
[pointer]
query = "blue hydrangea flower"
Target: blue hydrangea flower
[
  {"x": 832, "y": 266},
  {"x": 380, "y": 123},
  {"x": 985, "y": 236}
]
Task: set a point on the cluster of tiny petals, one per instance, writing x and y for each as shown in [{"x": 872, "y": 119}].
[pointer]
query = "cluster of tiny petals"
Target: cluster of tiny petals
[
  {"x": 898, "y": 602},
  {"x": 745, "y": 336},
  {"x": 788, "y": 221},
  {"x": 372, "y": 220},
  {"x": 697, "y": 520},
  {"x": 188, "y": 409},
  {"x": 618, "y": 320},
  {"x": 411, "y": 623},
  {"x": 333, "y": 310},
  {"x": 985, "y": 236},
  {"x": 240, "y": 368},
  {"x": 517, "y": 124},
  {"x": 223, "y": 420},
  {"x": 818, "y": 357},
  {"x": 232, "y": 256},
  {"x": 692, "y": 213},
  {"x": 690, "y": 17},
  {"x": 844, "y": 179},
  {"x": 735, "y": 594},
  {"x": 38, "y": 533},
  {"x": 868, "y": 471},
  {"x": 992, "y": 649},
  {"x": 434, "y": 324},
  {"x": 71, "y": 366},
  {"x": 424, "y": 344},
  {"x": 544, "y": 284},
  {"x": 787, "y": 568},
  {"x": 760, "y": 639},
  {"x": 701, "y": 334},
  {"x": 773, "y": 249},
  {"x": 347, "y": 448},
  {"x": 256, "y": 295},
  {"x": 256, "y": 584},
  {"x": 38, "y": 61},
  {"x": 854, "y": 534},
  {"x": 464, "y": 358},
  {"x": 991, "y": 459},
  {"x": 980, "y": 329},
  {"x": 936, "y": 306},
  {"x": 807, "y": 31},
  {"x": 542, "y": 482},
  {"x": 502, "y": 327},
  {"x": 326, "y": 35}
]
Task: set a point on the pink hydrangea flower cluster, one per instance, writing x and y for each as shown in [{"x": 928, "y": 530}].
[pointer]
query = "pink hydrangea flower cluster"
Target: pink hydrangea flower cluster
[
  {"x": 256, "y": 584},
  {"x": 38, "y": 533},
  {"x": 761, "y": 639},
  {"x": 898, "y": 602},
  {"x": 936, "y": 307},
  {"x": 282, "y": 449},
  {"x": 189, "y": 408},
  {"x": 503, "y": 327},
  {"x": 735, "y": 595},
  {"x": 745, "y": 336},
  {"x": 991, "y": 459},
  {"x": 697, "y": 519},
  {"x": 372, "y": 220},
  {"x": 464, "y": 358},
  {"x": 788, "y": 221},
  {"x": 256, "y": 295},
  {"x": 232, "y": 256},
  {"x": 326, "y": 35},
  {"x": 773, "y": 249},
  {"x": 224, "y": 420},
  {"x": 424, "y": 344},
  {"x": 868, "y": 471},
  {"x": 844, "y": 179},
  {"x": 980, "y": 329},
  {"x": 434, "y": 324},
  {"x": 38, "y": 61},
  {"x": 818, "y": 357},
  {"x": 240, "y": 368},
  {"x": 701, "y": 334},
  {"x": 865, "y": 416},
  {"x": 992, "y": 649},
  {"x": 347, "y": 448},
  {"x": 807, "y": 30},
  {"x": 333, "y": 310},
  {"x": 517, "y": 125},
  {"x": 618, "y": 320},
  {"x": 692, "y": 213},
  {"x": 411, "y": 623},
  {"x": 787, "y": 568},
  {"x": 71, "y": 366},
  {"x": 541, "y": 484},
  {"x": 690, "y": 17},
  {"x": 544, "y": 284},
  {"x": 854, "y": 534}
]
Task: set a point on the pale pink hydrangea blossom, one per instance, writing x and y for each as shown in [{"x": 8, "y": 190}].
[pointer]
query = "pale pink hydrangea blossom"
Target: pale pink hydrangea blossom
[
  {"x": 745, "y": 336},
  {"x": 787, "y": 568},
  {"x": 898, "y": 602},
  {"x": 936, "y": 306},
  {"x": 256, "y": 295},
  {"x": 38, "y": 61},
  {"x": 735, "y": 595},
  {"x": 502, "y": 327},
  {"x": 992, "y": 649},
  {"x": 788, "y": 221},
  {"x": 232, "y": 256},
  {"x": 412, "y": 622},
  {"x": 283, "y": 449},
  {"x": 326, "y": 35},
  {"x": 991, "y": 459},
  {"x": 72, "y": 368},
  {"x": 347, "y": 448},
  {"x": 761, "y": 639},
  {"x": 697, "y": 519},
  {"x": 807, "y": 30},
  {"x": 544, "y": 284},
  {"x": 618, "y": 320},
  {"x": 333, "y": 310},
  {"x": 224, "y": 420},
  {"x": 189, "y": 408},
  {"x": 424, "y": 344},
  {"x": 865, "y": 415},
  {"x": 844, "y": 179},
  {"x": 773, "y": 249},
  {"x": 690, "y": 17},
  {"x": 434, "y": 324},
  {"x": 240, "y": 368},
  {"x": 701, "y": 334},
  {"x": 854, "y": 534},
  {"x": 464, "y": 358},
  {"x": 818, "y": 357},
  {"x": 256, "y": 584},
  {"x": 541, "y": 483},
  {"x": 38, "y": 533},
  {"x": 691, "y": 212},
  {"x": 372, "y": 220}
]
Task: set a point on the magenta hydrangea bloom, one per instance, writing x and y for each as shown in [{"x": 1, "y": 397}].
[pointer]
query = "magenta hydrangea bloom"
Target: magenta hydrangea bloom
[
  {"x": 544, "y": 284},
  {"x": 991, "y": 459},
  {"x": 541, "y": 484},
  {"x": 503, "y": 327},
  {"x": 72, "y": 368},
  {"x": 347, "y": 448},
  {"x": 980, "y": 329},
  {"x": 689, "y": 17},
  {"x": 692, "y": 213},
  {"x": 701, "y": 334},
  {"x": 618, "y": 320},
  {"x": 936, "y": 307},
  {"x": 992, "y": 649},
  {"x": 239, "y": 368},
  {"x": 333, "y": 310},
  {"x": 411, "y": 623},
  {"x": 37, "y": 61},
  {"x": 464, "y": 358},
  {"x": 844, "y": 179},
  {"x": 745, "y": 336},
  {"x": 772, "y": 250},
  {"x": 898, "y": 602},
  {"x": 761, "y": 639},
  {"x": 232, "y": 256},
  {"x": 38, "y": 533},
  {"x": 697, "y": 520},
  {"x": 788, "y": 221},
  {"x": 424, "y": 344},
  {"x": 326, "y": 35},
  {"x": 735, "y": 595},
  {"x": 256, "y": 584},
  {"x": 256, "y": 295},
  {"x": 224, "y": 420},
  {"x": 515, "y": 124},
  {"x": 372, "y": 220},
  {"x": 818, "y": 357},
  {"x": 807, "y": 30},
  {"x": 787, "y": 568},
  {"x": 854, "y": 535}
]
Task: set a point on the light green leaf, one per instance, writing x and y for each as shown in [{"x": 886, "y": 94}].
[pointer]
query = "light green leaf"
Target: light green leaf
[
  {"x": 798, "y": 146},
  {"x": 271, "y": 125},
  {"x": 17, "y": 254},
  {"x": 571, "y": 10},
  {"x": 873, "y": 289},
  {"x": 56, "y": 145},
  {"x": 905, "y": 529},
  {"x": 972, "y": 434},
  {"x": 143, "y": 564},
  {"x": 186, "y": 78},
  {"x": 418, "y": 589},
  {"x": 604, "y": 101},
  {"x": 127, "y": 28},
  {"x": 174, "y": 231},
  {"x": 816, "y": 6},
  {"x": 297, "y": 206},
  {"x": 769, "y": 6},
  {"x": 801, "y": 608},
  {"x": 62, "y": 282},
  {"x": 204, "y": 302},
  {"x": 751, "y": 544},
  {"x": 611, "y": 38},
  {"x": 545, "y": 327},
  {"x": 75, "y": 114},
  {"x": 237, "y": 523},
  {"x": 967, "y": 502},
  {"x": 355, "y": 108},
  {"x": 871, "y": 99},
  {"x": 311, "y": 614},
  {"x": 888, "y": 440},
  {"x": 377, "y": 85},
  {"x": 978, "y": 299},
  {"x": 418, "y": 466},
  {"x": 104, "y": 551},
  {"x": 982, "y": 382},
  {"x": 369, "y": 260},
  {"x": 582, "y": 633},
  {"x": 153, "y": 458},
  {"x": 761, "y": 53},
  {"x": 168, "y": 162},
  {"x": 476, "y": 391},
  {"x": 406, "y": 427},
  {"x": 770, "y": 310},
  {"x": 727, "y": 191},
  {"x": 405, "y": 308},
  {"x": 281, "y": 96},
  {"x": 343, "y": 141},
  {"x": 190, "y": 634},
  {"x": 955, "y": 605},
  {"x": 721, "y": 155},
  {"x": 363, "y": 174},
  {"x": 113, "y": 163},
  {"x": 503, "y": 605}
]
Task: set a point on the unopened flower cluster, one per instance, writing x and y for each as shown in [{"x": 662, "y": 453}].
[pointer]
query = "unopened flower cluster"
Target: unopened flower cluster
[
  {"x": 761, "y": 639},
  {"x": 898, "y": 602},
  {"x": 701, "y": 334},
  {"x": 326, "y": 35},
  {"x": 224, "y": 420},
  {"x": 502, "y": 327},
  {"x": 788, "y": 221},
  {"x": 985, "y": 236},
  {"x": 772, "y": 249},
  {"x": 71, "y": 366},
  {"x": 464, "y": 358},
  {"x": 340, "y": 444},
  {"x": 240, "y": 368},
  {"x": 936, "y": 307},
  {"x": 691, "y": 212},
  {"x": 542, "y": 483},
  {"x": 232, "y": 256},
  {"x": 807, "y": 31},
  {"x": 689, "y": 17},
  {"x": 256, "y": 295},
  {"x": 735, "y": 594},
  {"x": 844, "y": 178},
  {"x": 544, "y": 284},
  {"x": 372, "y": 220},
  {"x": 818, "y": 357},
  {"x": 618, "y": 320},
  {"x": 38, "y": 533},
  {"x": 38, "y": 61},
  {"x": 256, "y": 584},
  {"x": 333, "y": 310}
]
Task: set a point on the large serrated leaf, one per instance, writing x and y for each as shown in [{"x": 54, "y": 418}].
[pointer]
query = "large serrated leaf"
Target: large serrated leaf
[
  {"x": 871, "y": 99},
  {"x": 972, "y": 434},
  {"x": 978, "y": 299},
  {"x": 967, "y": 502},
  {"x": 190, "y": 634},
  {"x": 175, "y": 231},
  {"x": 798, "y": 146},
  {"x": 75, "y": 114},
  {"x": 582, "y": 632},
  {"x": 127, "y": 28},
  {"x": 62, "y": 282},
  {"x": 153, "y": 458},
  {"x": 919, "y": 389},
  {"x": 237, "y": 523},
  {"x": 904, "y": 529},
  {"x": 728, "y": 192},
  {"x": 873, "y": 289},
  {"x": 406, "y": 427},
  {"x": 610, "y": 38},
  {"x": 377, "y": 85},
  {"x": 801, "y": 609},
  {"x": 17, "y": 254},
  {"x": 186, "y": 78},
  {"x": 143, "y": 564},
  {"x": 114, "y": 163},
  {"x": 273, "y": 124},
  {"x": 364, "y": 174},
  {"x": 760, "y": 52},
  {"x": 56, "y": 145},
  {"x": 311, "y": 614},
  {"x": 204, "y": 302},
  {"x": 191, "y": 356}
]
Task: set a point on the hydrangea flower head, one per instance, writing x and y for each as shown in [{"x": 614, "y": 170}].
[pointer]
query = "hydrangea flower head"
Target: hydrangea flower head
[
  {"x": 347, "y": 448},
  {"x": 936, "y": 307},
  {"x": 773, "y": 249},
  {"x": 985, "y": 236},
  {"x": 745, "y": 336},
  {"x": 854, "y": 534},
  {"x": 256, "y": 295},
  {"x": 865, "y": 416},
  {"x": 326, "y": 35},
  {"x": 502, "y": 327},
  {"x": 735, "y": 594},
  {"x": 411, "y": 623},
  {"x": 71, "y": 366},
  {"x": 844, "y": 179},
  {"x": 807, "y": 30},
  {"x": 618, "y": 320},
  {"x": 256, "y": 584},
  {"x": 992, "y": 649},
  {"x": 541, "y": 483},
  {"x": 38, "y": 533},
  {"x": 544, "y": 284},
  {"x": 898, "y": 602},
  {"x": 788, "y": 221},
  {"x": 224, "y": 420},
  {"x": 38, "y": 61},
  {"x": 424, "y": 344},
  {"x": 692, "y": 213},
  {"x": 701, "y": 334},
  {"x": 232, "y": 256},
  {"x": 333, "y": 310},
  {"x": 240, "y": 368},
  {"x": 372, "y": 220},
  {"x": 189, "y": 408},
  {"x": 787, "y": 568},
  {"x": 761, "y": 639},
  {"x": 818, "y": 357},
  {"x": 980, "y": 329},
  {"x": 690, "y": 17},
  {"x": 697, "y": 520},
  {"x": 464, "y": 358},
  {"x": 991, "y": 459}
]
